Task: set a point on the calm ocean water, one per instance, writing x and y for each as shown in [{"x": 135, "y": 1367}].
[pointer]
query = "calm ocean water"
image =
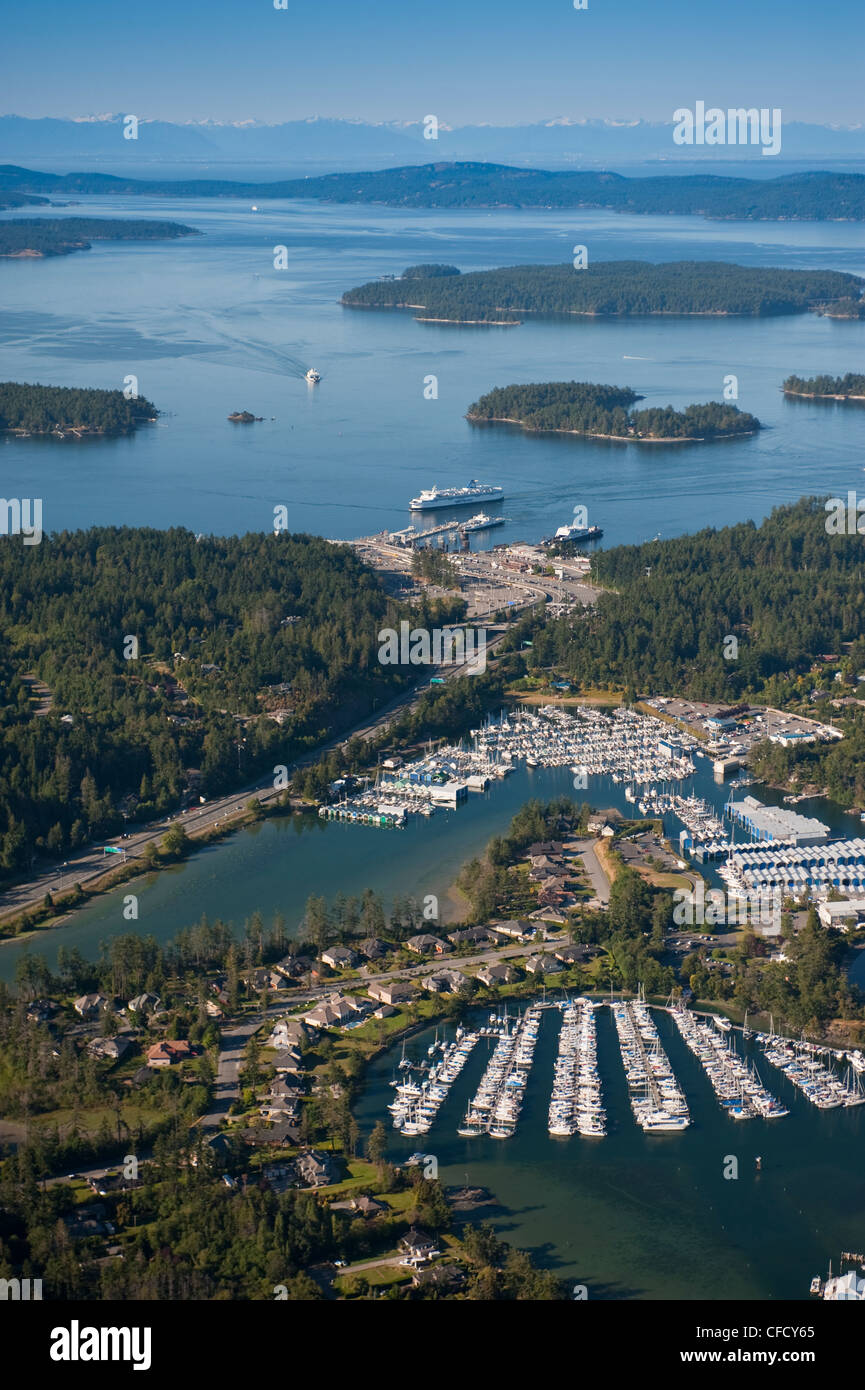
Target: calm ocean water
[{"x": 207, "y": 325}]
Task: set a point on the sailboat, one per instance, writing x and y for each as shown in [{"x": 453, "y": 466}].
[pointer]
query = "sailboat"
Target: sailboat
[{"x": 747, "y": 1033}]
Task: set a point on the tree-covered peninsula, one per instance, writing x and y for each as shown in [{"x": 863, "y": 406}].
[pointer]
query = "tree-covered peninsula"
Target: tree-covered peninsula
[
  {"x": 602, "y": 412},
  {"x": 60, "y": 236},
  {"x": 608, "y": 288},
  {"x": 850, "y": 387},
  {"x": 248, "y": 651},
  {"x": 28, "y": 409},
  {"x": 817, "y": 195}
]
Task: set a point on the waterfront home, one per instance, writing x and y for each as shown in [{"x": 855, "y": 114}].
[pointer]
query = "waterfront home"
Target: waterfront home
[
  {"x": 392, "y": 992},
  {"x": 340, "y": 958},
  {"x": 498, "y": 974},
  {"x": 385, "y": 1011},
  {"x": 418, "y": 1247},
  {"x": 91, "y": 1005},
  {"x": 545, "y": 847},
  {"x": 424, "y": 944},
  {"x": 110, "y": 1049},
  {"x": 444, "y": 982},
  {"x": 169, "y": 1051}
]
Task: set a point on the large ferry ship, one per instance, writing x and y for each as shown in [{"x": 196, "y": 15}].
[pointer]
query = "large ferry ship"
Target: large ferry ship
[{"x": 430, "y": 498}]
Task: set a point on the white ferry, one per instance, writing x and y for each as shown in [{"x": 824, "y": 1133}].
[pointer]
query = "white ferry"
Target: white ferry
[
  {"x": 431, "y": 498},
  {"x": 312, "y": 376}
]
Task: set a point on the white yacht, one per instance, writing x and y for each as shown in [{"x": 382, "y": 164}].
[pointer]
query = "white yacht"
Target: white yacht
[{"x": 313, "y": 376}]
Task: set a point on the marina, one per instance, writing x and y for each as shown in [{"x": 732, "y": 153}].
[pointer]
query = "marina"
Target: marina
[
  {"x": 656, "y": 1099},
  {"x": 641, "y": 1215},
  {"x": 498, "y": 1100},
  {"x": 735, "y": 1082},
  {"x": 575, "y": 1103},
  {"x": 416, "y": 1104},
  {"x": 820, "y": 1084}
]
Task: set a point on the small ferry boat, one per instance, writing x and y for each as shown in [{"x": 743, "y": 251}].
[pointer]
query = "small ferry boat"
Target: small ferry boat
[{"x": 312, "y": 376}]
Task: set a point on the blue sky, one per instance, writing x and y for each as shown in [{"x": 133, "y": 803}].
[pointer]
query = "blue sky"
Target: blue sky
[{"x": 467, "y": 61}]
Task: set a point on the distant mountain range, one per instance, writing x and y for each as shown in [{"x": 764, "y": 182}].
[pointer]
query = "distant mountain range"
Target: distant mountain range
[
  {"x": 100, "y": 140},
  {"x": 812, "y": 196}
]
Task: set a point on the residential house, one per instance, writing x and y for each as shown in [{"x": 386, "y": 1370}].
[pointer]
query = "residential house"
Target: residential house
[
  {"x": 361, "y": 1206},
  {"x": 497, "y": 974},
  {"x": 572, "y": 955},
  {"x": 291, "y": 1033},
  {"x": 41, "y": 1010},
  {"x": 418, "y": 1247},
  {"x": 392, "y": 992},
  {"x": 424, "y": 944},
  {"x": 169, "y": 1051},
  {"x": 444, "y": 982},
  {"x": 373, "y": 948},
  {"x": 287, "y": 1059},
  {"x": 542, "y": 964},
  {"x": 145, "y": 1004},
  {"x": 470, "y": 936},
  {"x": 335, "y": 1012},
  {"x": 515, "y": 931},
  {"x": 340, "y": 958},
  {"x": 91, "y": 1005},
  {"x": 315, "y": 1169},
  {"x": 110, "y": 1049},
  {"x": 449, "y": 1278}
]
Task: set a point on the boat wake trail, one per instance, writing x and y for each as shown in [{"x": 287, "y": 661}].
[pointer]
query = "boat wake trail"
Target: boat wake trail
[{"x": 252, "y": 354}]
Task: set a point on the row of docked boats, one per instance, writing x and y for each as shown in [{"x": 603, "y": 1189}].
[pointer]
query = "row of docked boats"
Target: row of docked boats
[
  {"x": 416, "y": 1103},
  {"x": 657, "y": 1101},
  {"x": 735, "y": 1082},
  {"x": 819, "y": 1083},
  {"x": 498, "y": 1100},
  {"x": 576, "y": 1104}
]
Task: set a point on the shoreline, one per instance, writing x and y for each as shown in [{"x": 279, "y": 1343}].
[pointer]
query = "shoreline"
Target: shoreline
[
  {"x": 821, "y": 396},
  {"x": 616, "y": 438}
]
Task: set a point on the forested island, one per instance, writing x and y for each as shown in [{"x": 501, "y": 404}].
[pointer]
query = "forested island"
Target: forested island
[
  {"x": 32, "y": 409},
  {"x": 608, "y": 288},
  {"x": 60, "y": 236},
  {"x": 819, "y": 196},
  {"x": 250, "y": 650},
  {"x": 602, "y": 412},
  {"x": 850, "y": 387}
]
